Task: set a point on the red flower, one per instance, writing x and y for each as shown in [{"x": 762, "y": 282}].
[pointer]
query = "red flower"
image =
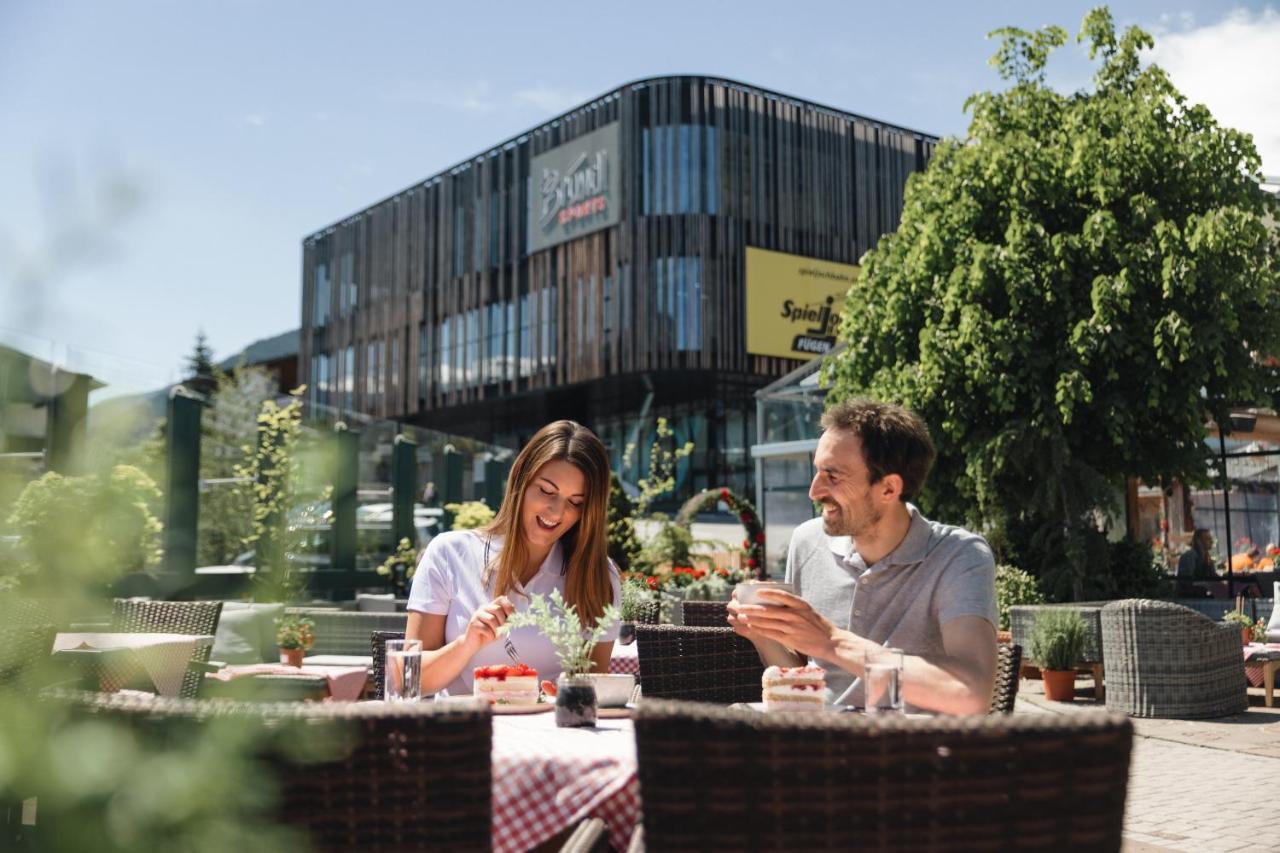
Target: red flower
[
  {"x": 699, "y": 574},
  {"x": 751, "y": 563},
  {"x": 744, "y": 518},
  {"x": 746, "y": 543},
  {"x": 652, "y": 581},
  {"x": 724, "y": 573},
  {"x": 760, "y": 538},
  {"x": 724, "y": 494}
]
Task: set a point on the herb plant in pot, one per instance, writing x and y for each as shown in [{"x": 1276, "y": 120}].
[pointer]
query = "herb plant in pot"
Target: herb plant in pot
[
  {"x": 294, "y": 635},
  {"x": 559, "y": 622},
  {"x": 1241, "y": 620},
  {"x": 1057, "y": 640}
]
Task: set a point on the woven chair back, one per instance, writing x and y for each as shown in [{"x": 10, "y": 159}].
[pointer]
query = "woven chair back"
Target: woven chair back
[
  {"x": 698, "y": 664},
  {"x": 172, "y": 617},
  {"x": 1006, "y": 690},
  {"x": 728, "y": 779},
  {"x": 378, "y": 641},
  {"x": 405, "y": 776},
  {"x": 706, "y": 614}
]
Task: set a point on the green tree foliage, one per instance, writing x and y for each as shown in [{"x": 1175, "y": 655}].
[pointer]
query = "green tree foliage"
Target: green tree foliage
[
  {"x": 1074, "y": 289},
  {"x": 98, "y": 526},
  {"x": 273, "y": 470},
  {"x": 623, "y": 546},
  {"x": 201, "y": 374},
  {"x": 229, "y": 435}
]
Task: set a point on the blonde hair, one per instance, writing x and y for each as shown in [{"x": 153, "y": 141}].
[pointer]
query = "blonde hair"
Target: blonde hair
[{"x": 585, "y": 545}]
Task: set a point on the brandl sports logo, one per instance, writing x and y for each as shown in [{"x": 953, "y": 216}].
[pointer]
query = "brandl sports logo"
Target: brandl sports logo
[{"x": 578, "y": 193}]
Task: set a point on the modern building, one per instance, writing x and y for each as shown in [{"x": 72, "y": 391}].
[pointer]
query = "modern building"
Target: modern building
[{"x": 664, "y": 249}]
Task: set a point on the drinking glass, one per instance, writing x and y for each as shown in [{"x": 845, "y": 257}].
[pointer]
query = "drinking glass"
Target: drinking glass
[
  {"x": 882, "y": 681},
  {"x": 402, "y": 671}
]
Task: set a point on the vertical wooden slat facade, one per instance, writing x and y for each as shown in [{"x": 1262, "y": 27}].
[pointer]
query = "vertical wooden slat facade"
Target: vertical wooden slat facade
[{"x": 771, "y": 171}]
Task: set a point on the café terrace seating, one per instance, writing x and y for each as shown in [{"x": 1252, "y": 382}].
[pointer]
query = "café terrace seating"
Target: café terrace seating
[
  {"x": 698, "y": 664},
  {"x": 715, "y": 778},
  {"x": 171, "y": 617}
]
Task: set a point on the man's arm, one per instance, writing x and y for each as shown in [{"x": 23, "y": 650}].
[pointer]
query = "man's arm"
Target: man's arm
[{"x": 959, "y": 681}]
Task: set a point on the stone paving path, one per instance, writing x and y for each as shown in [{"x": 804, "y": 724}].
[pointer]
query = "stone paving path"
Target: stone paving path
[{"x": 1194, "y": 785}]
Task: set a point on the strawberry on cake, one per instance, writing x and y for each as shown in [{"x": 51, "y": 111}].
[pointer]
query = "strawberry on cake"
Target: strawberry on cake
[
  {"x": 513, "y": 685},
  {"x": 794, "y": 688}
]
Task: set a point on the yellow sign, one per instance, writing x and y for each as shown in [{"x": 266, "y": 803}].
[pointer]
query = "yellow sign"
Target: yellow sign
[{"x": 793, "y": 303}]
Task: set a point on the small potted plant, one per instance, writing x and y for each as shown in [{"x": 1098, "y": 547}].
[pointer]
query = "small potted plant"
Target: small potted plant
[
  {"x": 559, "y": 622},
  {"x": 1235, "y": 617},
  {"x": 294, "y": 635},
  {"x": 1057, "y": 640},
  {"x": 636, "y": 595}
]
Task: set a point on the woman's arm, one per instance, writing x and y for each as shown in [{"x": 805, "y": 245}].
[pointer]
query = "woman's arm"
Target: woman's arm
[
  {"x": 600, "y": 655},
  {"x": 442, "y": 662}
]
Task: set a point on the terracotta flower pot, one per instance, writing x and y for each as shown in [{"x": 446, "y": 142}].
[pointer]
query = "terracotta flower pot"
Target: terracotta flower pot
[
  {"x": 1059, "y": 684},
  {"x": 1246, "y": 634},
  {"x": 293, "y": 657}
]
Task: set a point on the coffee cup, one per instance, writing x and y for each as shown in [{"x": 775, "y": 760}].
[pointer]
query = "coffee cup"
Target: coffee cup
[{"x": 746, "y": 591}]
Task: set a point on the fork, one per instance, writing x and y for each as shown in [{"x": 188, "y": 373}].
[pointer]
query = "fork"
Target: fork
[{"x": 511, "y": 650}]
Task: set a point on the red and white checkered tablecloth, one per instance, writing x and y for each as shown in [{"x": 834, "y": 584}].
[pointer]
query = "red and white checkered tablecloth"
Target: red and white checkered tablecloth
[
  {"x": 1264, "y": 651},
  {"x": 625, "y": 659},
  {"x": 547, "y": 779}
]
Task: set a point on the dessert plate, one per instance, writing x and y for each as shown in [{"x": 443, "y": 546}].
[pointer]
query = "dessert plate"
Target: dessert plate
[{"x": 521, "y": 707}]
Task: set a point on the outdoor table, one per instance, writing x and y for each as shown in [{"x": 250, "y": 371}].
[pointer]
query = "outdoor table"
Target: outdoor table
[
  {"x": 625, "y": 659},
  {"x": 547, "y": 779},
  {"x": 123, "y": 658},
  {"x": 346, "y": 683},
  {"x": 1261, "y": 662}
]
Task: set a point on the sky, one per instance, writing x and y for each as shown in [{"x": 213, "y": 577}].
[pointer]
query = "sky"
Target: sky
[{"x": 161, "y": 162}]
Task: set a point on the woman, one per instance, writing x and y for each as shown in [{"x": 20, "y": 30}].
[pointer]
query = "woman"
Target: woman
[{"x": 548, "y": 535}]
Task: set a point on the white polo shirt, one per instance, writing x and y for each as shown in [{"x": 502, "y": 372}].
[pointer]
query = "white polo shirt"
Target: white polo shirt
[{"x": 448, "y": 583}]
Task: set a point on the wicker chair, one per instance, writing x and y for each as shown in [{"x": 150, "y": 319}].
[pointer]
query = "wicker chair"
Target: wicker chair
[
  {"x": 1006, "y": 689},
  {"x": 698, "y": 664},
  {"x": 172, "y": 617},
  {"x": 706, "y": 614},
  {"x": 378, "y": 641},
  {"x": 1164, "y": 660},
  {"x": 412, "y": 775},
  {"x": 728, "y": 779}
]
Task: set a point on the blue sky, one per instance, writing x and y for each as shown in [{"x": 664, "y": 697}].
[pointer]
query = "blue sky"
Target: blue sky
[{"x": 160, "y": 162}]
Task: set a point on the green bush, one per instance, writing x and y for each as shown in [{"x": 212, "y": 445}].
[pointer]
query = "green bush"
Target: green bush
[
  {"x": 470, "y": 514},
  {"x": 1014, "y": 586},
  {"x": 1057, "y": 639}
]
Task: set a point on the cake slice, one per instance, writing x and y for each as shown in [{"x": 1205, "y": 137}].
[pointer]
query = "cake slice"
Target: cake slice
[
  {"x": 513, "y": 685},
  {"x": 794, "y": 688}
]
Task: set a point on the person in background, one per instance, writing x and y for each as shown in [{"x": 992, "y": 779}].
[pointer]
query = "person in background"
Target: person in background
[
  {"x": 873, "y": 572},
  {"x": 549, "y": 534},
  {"x": 1196, "y": 564}
]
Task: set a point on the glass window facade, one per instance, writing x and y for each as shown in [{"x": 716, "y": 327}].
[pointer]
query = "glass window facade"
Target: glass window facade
[
  {"x": 320, "y": 306},
  {"x": 681, "y": 169}
]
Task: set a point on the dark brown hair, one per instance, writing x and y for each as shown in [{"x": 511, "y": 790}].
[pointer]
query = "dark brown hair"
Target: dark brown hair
[
  {"x": 585, "y": 545},
  {"x": 894, "y": 440}
]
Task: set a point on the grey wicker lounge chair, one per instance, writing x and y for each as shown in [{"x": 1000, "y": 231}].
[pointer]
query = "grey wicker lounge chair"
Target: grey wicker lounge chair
[
  {"x": 1165, "y": 660},
  {"x": 346, "y": 632},
  {"x": 727, "y": 779}
]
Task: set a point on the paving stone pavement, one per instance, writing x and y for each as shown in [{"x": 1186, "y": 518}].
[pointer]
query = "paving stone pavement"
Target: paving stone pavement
[{"x": 1189, "y": 779}]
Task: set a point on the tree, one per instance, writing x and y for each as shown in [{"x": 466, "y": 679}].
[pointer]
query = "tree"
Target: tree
[
  {"x": 200, "y": 367},
  {"x": 1074, "y": 290}
]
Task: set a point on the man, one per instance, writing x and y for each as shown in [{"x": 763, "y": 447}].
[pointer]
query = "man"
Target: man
[{"x": 873, "y": 572}]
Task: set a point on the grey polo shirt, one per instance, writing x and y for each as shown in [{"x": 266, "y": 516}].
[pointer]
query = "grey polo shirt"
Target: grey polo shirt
[{"x": 936, "y": 574}]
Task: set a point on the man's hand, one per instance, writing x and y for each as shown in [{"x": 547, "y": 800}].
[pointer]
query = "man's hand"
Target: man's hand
[
  {"x": 787, "y": 619},
  {"x": 771, "y": 651}
]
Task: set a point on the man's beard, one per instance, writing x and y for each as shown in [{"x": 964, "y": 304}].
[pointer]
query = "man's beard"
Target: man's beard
[{"x": 845, "y": 525}]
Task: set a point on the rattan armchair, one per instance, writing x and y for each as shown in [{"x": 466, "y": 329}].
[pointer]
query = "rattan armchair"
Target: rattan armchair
[
  {"x": 378, "y": 643},
  {"x": 1006, "y": 689},
  {"x": 172, "y": 617},
  {"x": 706, "y": 614},
  {"x": 410, "y": 776},
  {"x": 1165, "y": 660},
  {"x": 728, "y": 779},
  {"x": 698, "y": 664}
]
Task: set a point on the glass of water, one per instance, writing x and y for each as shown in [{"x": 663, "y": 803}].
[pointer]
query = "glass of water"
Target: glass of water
[
  {"x": 882, "y": 681},
  {"x": 402, "y": 671}
]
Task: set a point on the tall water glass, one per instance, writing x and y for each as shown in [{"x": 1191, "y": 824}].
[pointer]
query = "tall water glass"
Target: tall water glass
[
  {"x": 882, "y": 681},
  {"x": 402, "y": 671}
]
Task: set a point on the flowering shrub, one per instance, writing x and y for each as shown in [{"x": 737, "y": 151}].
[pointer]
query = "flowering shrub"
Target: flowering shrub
[
  {"x": 753, "y": 545},
  {"x": 295, "y": 632},
  {"x": 400, "y": 566}
]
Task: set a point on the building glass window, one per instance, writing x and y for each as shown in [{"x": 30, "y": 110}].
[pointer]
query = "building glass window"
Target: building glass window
[
  {"x": 347, "y": 283},
  {"x": 320, "y": 312},
  {"x": 349, "y": 380},
  {"x": 526, "y": 337},
  {"x": 424, "y": 366},
  {"x": 677, "y": 178},
  {"x": 679, "y": 300},
  {"x": 472, "y": 352}
]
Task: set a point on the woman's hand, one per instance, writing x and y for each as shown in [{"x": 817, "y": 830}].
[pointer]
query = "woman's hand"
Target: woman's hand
[{"x": 485, "y": 622}]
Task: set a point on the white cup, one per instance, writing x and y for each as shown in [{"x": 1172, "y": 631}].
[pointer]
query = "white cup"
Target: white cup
[{"x": 746, "y": 591}]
